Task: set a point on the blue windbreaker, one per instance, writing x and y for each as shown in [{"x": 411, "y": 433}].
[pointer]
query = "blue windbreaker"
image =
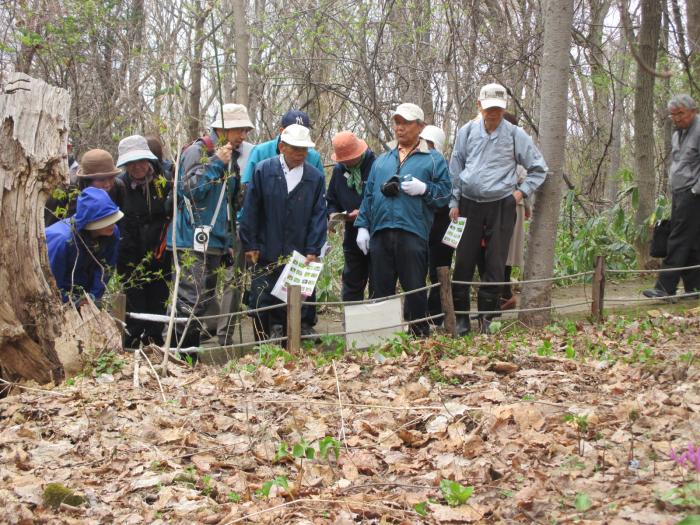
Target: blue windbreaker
[{"x": 72, "y": 264}]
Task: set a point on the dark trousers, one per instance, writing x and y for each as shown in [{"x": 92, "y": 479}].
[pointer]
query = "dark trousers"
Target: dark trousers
[
  {"x": 197, "y": 289},
  {"x": 439, "y": 254},
  {"x": 356, "y": 272},
  {"x": 398, "y": 254},
  {"x": 264, "y": 279},
  {"x": 683, "y": 247},
  {"x": 148, "y": 297},
  {"x": 494, "y": 222}
]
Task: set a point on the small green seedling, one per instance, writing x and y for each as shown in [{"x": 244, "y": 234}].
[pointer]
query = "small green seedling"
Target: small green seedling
[
  {"x": 455, "y": 494},
  {"x": 582, "y": 502},
  {"x": 279, "y": 481}
]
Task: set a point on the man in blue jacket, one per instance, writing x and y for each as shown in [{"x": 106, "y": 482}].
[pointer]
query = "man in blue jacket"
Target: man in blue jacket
[
  {"x": 284, "y": 210},
  {"x": 208, "y": 181},
  {"x": 83, "y": 249},
  {"x": 485, "y": 190},
  {"x": 353, "y": 160},
  {"x": 405, "y": 187},
  {"x": 266, "y": 150}
]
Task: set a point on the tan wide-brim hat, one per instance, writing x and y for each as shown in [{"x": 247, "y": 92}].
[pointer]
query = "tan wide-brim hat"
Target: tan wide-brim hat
[
  {"x": 347, "y": 146},
  {"x": 234, "y": 116},
  {"x": 97, "y": 163},
  {"x": 104, "y": 221}
]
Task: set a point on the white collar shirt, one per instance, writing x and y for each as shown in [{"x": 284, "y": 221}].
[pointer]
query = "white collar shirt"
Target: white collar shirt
[{"x": 293, "y": 176}]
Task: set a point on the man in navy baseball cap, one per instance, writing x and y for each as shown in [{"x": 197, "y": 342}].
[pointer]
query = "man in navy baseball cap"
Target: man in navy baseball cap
[
  {"x": 266, "y": 150},
  {"x": 295, "y": 116}
]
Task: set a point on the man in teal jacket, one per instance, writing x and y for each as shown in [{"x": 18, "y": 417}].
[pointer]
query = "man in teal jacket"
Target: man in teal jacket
[
  {"x": 271, "y": 148},
  {"x": 405, "y": 187},
  {"x": 208, "y": 181}
]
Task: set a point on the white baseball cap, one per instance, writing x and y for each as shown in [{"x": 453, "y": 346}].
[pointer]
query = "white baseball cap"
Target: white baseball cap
[
  {"x": 235, "y": 116},
  {"x": 297, "y": 135},
  {"x": 434, "y": 135},
  {"x": 409, "y": 112},
  {"x": 493, "y": 95}
]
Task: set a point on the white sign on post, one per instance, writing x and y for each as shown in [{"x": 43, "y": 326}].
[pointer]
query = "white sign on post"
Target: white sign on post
[
  {"x": 371, "y": 324},
  {"x": 454, "y": 232}
]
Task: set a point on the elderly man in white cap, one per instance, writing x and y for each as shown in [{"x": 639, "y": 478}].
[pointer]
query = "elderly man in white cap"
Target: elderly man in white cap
[
  {"x": 284, "y": 210},
  {"x": 485, "y": 190},
  {"x": 208, "y": 182},
  {"x": 405, "y": 187}
]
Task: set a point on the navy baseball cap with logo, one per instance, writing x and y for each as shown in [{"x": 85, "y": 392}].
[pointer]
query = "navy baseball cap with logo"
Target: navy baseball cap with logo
[{"x": 295, "y": 116}]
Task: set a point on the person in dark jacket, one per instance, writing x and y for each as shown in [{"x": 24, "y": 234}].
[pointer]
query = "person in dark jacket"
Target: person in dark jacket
[
  {"x": 61, "y": 204},
  {"x": 353, "y": 160},
  {"x": 284, "y": 210},
  {"x": 82, "y": 249},
  {"x": 165, "y": 167},
  {"x": 143, "y": 261},
  {"x": 439, "y": 254}
]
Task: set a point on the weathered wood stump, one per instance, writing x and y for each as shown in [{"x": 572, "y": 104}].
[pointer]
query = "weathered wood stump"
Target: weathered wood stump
[{"x": 38, "y": 334}]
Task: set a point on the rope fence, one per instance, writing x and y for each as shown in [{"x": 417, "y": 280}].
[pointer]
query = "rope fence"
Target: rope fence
[{"x": 295, "y": 301}]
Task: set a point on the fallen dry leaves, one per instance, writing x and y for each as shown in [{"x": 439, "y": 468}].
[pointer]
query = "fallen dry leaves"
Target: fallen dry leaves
[{"x": 487, "y": 414}]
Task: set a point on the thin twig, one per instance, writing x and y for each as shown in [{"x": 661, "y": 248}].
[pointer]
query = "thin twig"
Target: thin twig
[
  {"x": 137, "y": 360},
  {"x": 32, "y": 389},
  {"x": 160, "y": 385},
  {"x": 341, "y": 433}
]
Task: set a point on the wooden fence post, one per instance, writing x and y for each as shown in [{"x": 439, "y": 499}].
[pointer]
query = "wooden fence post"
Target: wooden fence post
[
  {"x": 119, "y": 310},
  {"x": 293, "y": 318},
  {"x": 598, "y": 284},
  {"x": 448, "y": 307}
]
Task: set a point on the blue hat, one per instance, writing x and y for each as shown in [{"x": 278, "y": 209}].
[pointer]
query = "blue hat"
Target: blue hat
[{"x": 296, "y": 116}]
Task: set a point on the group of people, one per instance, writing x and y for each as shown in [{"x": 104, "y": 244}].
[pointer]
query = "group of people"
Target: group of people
[{"x": 266, "y": 201}]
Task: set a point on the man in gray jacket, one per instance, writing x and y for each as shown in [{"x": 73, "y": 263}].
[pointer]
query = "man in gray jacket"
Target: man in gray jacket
[
  {"x": 683, "y": 248},
  {"x": 485, "y": 190}
]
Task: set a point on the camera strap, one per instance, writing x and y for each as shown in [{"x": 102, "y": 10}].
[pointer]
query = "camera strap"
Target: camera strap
[{"x": 218, "y": 204}]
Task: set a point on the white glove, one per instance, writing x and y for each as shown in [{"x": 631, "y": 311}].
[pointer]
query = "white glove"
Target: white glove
[
  {"x": 363, "y": 240},
  {"x": 414, "y": 187}
]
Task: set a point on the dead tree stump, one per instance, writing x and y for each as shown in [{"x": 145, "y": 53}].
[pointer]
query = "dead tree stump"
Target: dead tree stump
[{"x": 39, "y": 335}]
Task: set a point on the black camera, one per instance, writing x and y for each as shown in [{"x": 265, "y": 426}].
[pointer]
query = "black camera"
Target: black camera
[{"x": 391, "y": 187}]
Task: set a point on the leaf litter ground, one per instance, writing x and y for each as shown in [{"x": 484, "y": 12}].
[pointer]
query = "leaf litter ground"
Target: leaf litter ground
[{"x": 573, "y": 423}]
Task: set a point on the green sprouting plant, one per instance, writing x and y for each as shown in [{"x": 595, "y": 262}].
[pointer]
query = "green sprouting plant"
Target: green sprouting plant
[
  {"x": 693, "y": 519},
  {"x": 454, "y": 493},
  {"x": 279, "y": 481},
  {"x": 207, "y": 485},
  {"x": 268, "y": 354},
  {"x": 188, "y": 359},
  {"x": 233, "y": 497},
  {"x": 327, "y": 444},
  {"x": 545, "y": 349},
  {"x": 108, "y": 363},
  {"x": 397, "y": 345},
  {"x": 582, "y": 502},
  {"x": 422, "y": 508},
  {"x": 580, "y": 422},
  {"x": 569, "y": 351},
  {"x": 686, "y": 496}
]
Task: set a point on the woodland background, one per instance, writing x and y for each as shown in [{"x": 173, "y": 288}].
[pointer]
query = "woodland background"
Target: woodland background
[{"x": 150, "y": 66}]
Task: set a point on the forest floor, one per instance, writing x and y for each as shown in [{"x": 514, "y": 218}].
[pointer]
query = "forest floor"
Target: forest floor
[{"x": 571, "y": 424}]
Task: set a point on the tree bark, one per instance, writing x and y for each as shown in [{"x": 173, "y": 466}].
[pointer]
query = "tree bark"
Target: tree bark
[
  {"x": 558, "y": 19},
  {"x": 644, "y": 123},
  {"x": 33, "y": 133},
  {"x": 194, "y": 108},
  {"x": 241, "y": 47},
  {"x": 693, "y": 13}
]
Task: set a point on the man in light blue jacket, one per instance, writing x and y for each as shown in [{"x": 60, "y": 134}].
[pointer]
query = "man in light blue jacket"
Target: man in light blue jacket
[{"x": 485, "y": 190}]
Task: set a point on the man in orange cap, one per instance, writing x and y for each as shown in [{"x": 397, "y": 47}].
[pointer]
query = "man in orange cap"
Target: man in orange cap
[{"x": 353, "y": 160}]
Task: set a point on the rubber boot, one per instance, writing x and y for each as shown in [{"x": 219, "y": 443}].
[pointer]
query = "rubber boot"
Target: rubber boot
[
  {"x": 460, "y": 299},
  {"x": 486, "y": 302}
]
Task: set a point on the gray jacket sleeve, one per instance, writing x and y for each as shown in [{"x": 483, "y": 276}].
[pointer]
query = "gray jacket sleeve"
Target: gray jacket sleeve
[
  {"x": 457, "y": 163},
  {"x": 530, "y": 158}
]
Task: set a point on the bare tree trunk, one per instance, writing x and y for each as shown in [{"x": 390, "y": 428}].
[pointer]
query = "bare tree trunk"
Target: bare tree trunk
[
  {"x": 33, "y": 132},
  {"x": 241, "y": 46},
  {"x": 558, "y": 19},
  {"x": 644, "y": 123},
  {"x": 612, "y": 180},
  {"x": 194, "y": 109},
  {"x": 693, "y": 13}
]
